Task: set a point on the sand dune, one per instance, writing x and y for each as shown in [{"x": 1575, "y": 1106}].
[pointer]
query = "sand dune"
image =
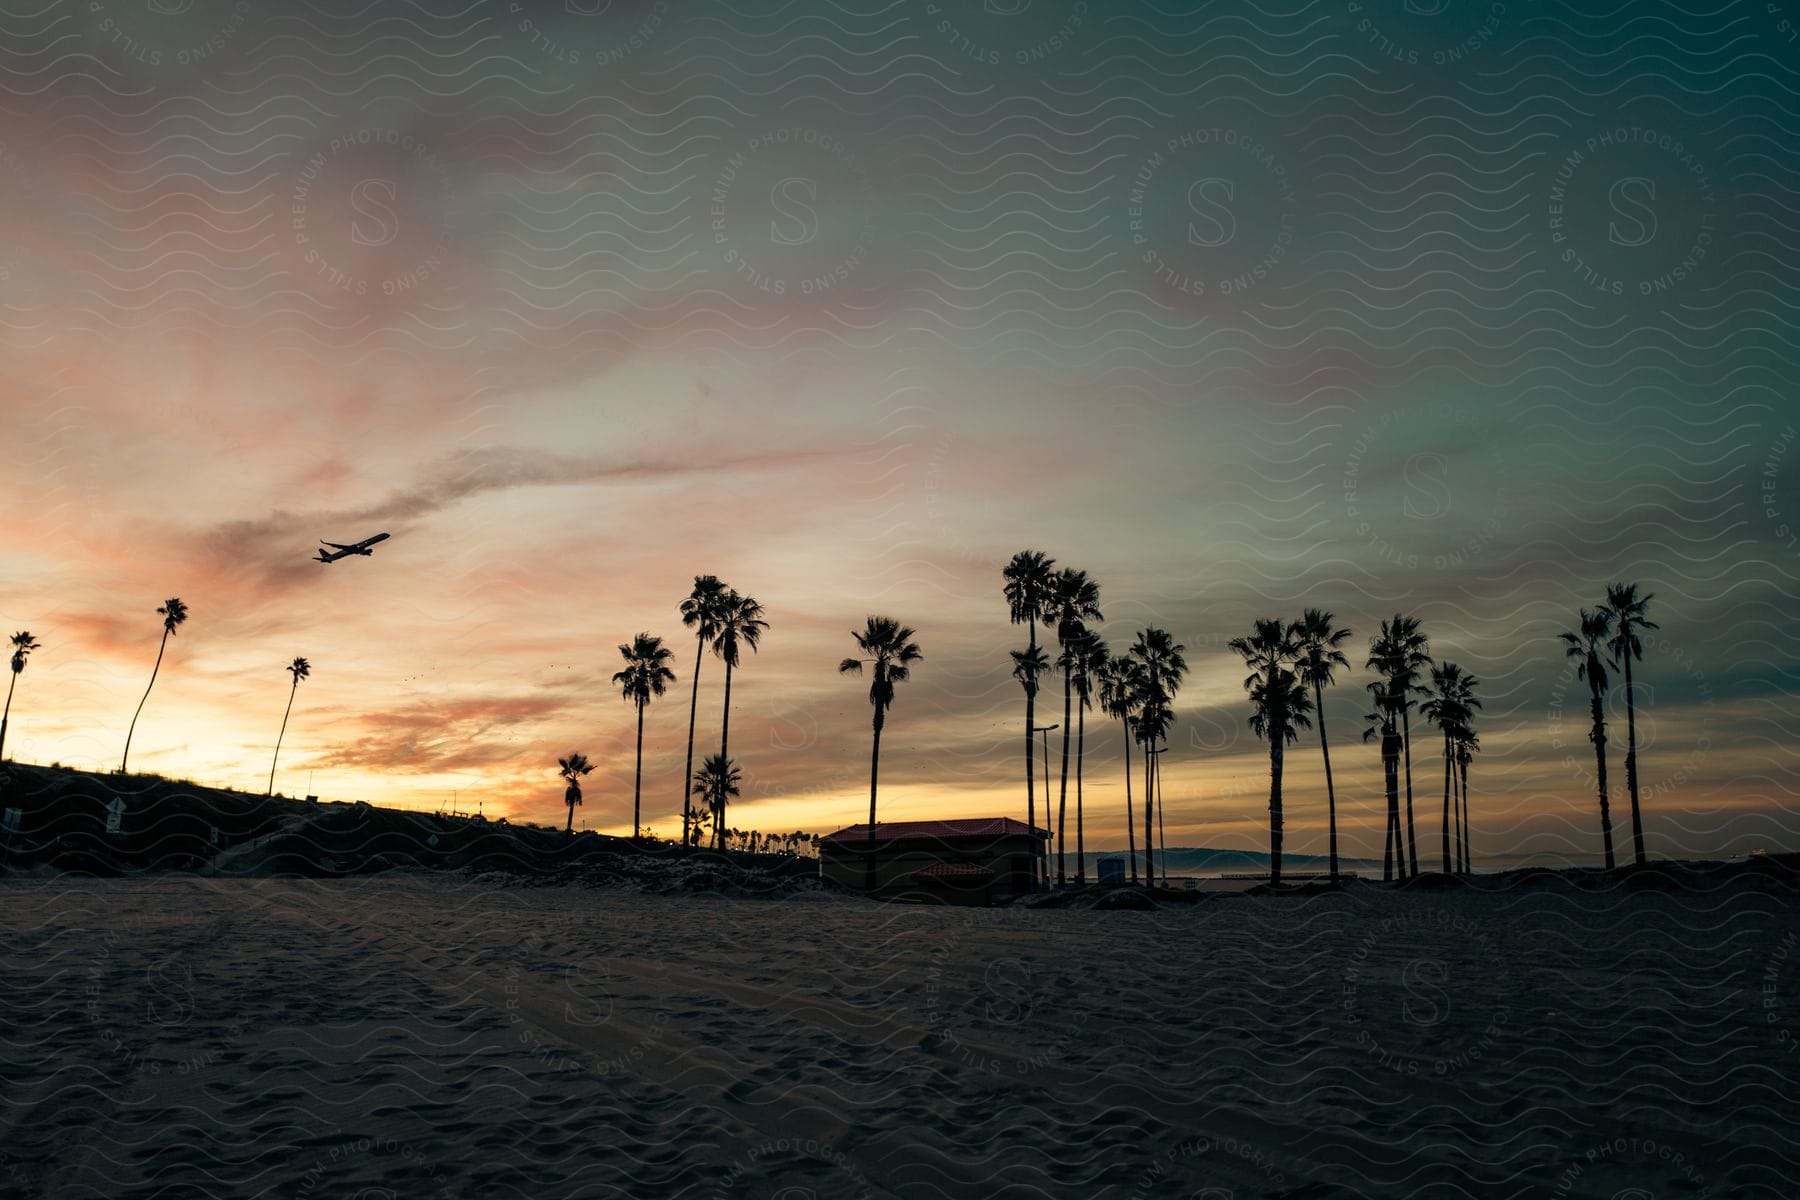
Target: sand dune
[{"x": 177, "y": 1035}]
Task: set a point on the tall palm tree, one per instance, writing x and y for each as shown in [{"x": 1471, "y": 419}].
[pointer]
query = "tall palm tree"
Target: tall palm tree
[
  {"x": 1399, "y": 654},
  {"x": 22, "y": 645},
  {"x": 699, "y": 612},
  {"x": 572, "y": 769},
  {"x": 1121, "y": 696},
  {"x": 889, "y": 647},
  {"x": 1164, "y": 668},
  {"x": 173, "y": 612},
  {"x": 1026, "y": 583},
  {"x": 1318, "y": 639},
  {"x": 1450, "y": 706},
  {"x": 1029, "y": 666},
  {"x": 1074, "y": 601},
  {"x": 1091, "y": 661},
  {"x": 299, "y": 669},
  {"x": 646, "y": 674},
  {"x": 716, "y": 781},
  {"x": 1278, "y": 710},
  {"x": 1627, "y": 611},
  {"x": 740, "y": 626},
  {"x": 1382, "y": 726},
  {"x": 1588, "y": 647}
]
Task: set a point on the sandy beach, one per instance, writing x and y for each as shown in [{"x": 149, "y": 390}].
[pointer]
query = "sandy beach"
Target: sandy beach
[{"x": 437, "y": 1036}]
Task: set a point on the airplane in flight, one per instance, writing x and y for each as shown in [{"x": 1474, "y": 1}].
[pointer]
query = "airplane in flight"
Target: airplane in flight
[{"x": 363, "y": 547}]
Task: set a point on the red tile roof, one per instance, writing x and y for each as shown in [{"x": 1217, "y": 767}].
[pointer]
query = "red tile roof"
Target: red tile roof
[{"x": 964, "y": 827}]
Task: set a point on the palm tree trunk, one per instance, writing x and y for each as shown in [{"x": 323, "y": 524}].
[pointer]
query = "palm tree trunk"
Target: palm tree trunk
[
  {"x": 874, "y": 771},
  {"x": 637, "y": 785},
  {"x": 1330, "y": 795},
  {"x": 1160, "y": 826},
  {"x": 1149, "y": 812},
  {"x": 1631, "y": 776},
  {"x": 1412, "y": 832},
  {"x": 725, "y": 754},
  {"x": 570, "y": 827},
  {"x": 1062, "y": 800},
  {"x": 1447, "y": 766},
  {"x": 1598, "y": 737},
  {"x": 1468, "y": 862},
  {"x": 1130, "y": 812},
  {"x": 7, "y": 714},
  {"x": 687, "y": 772},
  {"x": 140, "y": 707},
  {"x": 284, "y": 720},
  {"x": 1080, "y": 842},
  {"x": 1394, "y": 848},
  {"x": 1276, "y": 750},
  {"x": 1030, "y": 749}
]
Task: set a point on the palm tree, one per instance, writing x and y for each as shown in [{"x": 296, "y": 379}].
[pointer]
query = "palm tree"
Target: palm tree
[
  {"x": 889, "y": 646},
  {"x": 646, "y": 674},
  {"x": 1381, "y": 725},
  {"x": 1278, "y": 710},
  {"x": 700, "y": 612},
  {"x": 1318, "y": 639},
  {"x": 740, "y": 625},
  {"x": 1466, "y": 744},
  {"x": 572, "y": 769},
  {"x": 1450, "y": 707},
  {"x": 1398, "y": 654},
  {"x": 173, "y": 612},
  {"x": 1091, "y": 661},
  {"x": 1027, "y": 584},
  {"x": 1164, "y": 667},
  {"x": 23, "y": 644},
  {"x": 1121, "y": 696},
  {"x": 1074, "y": 600},
  {"x": 299, "y": 669},
  {"x": 1589, "y": 648},
  {"x": 1029, "y": 666},
  {"x": 1627, "y": 612},
  {"x": 717, "y": 779}
]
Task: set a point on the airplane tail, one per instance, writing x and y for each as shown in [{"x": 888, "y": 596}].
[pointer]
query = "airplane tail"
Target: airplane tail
[{"x": 322, "y": 557}]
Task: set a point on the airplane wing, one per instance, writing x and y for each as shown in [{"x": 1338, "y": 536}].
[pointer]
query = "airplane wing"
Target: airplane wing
[{"x": 337, "y": 545}]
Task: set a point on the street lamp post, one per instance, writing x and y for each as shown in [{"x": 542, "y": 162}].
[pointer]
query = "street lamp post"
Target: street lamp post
[{"x": 1048, "y": 825}]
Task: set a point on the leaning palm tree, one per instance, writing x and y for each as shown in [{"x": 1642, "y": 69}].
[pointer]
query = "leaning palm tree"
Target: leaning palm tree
[
  {"x": 173, "y": 613},
  {"x": 1278, "y": 710},
  {"x": 1091, "y": 659},
  {"x": 1029, "y": 666},
  {"x": 700, "y": 612},
  {"x": 646, "y": 675},
  {"x": 715, "y": 782},
  {"x": 1627, "y": 612},
  {"x": 888, "y": 646},
  {"x": 299, "y": 669},
  {"x": 22, "y": 646},
  {"x": 1074, "y": 601},
  {"x": 572, "y": 769},
  {"x": 1589, "y": 650},
  {"x": 1164, "y": 668},
  {"x": 740, "y": 625},
  {"x": 1450, "y": 705},
  {"x": 1318, "y": 639},
  {"x": 1121, "y": 696},
  {"x": 1027, "y": 582}
]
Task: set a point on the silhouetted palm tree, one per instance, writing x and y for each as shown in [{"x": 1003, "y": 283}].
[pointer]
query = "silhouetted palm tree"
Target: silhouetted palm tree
[
  {"x": 173, "y": 612},
  {"x": 699, "y": 612},
  {"x": 1164, "y": 668},
  {"x": 1398, "y": 653},
  {"x": 572, "y": 769},
  {"x": 1467, "y": 743},
  {"x": 1029, "y": 667},
  {"x": 1589, "y": 648},
  {"x": 1627, "y": 611},
  {"x": 740, "y": 625},
  {"x": 716, "y": 781},
  {"x": 299, "y": 669},
  {"x": 646, "y": 675},
  {"x": 22, "y": 645},
  {"x": 1450, "y": 706},
  {"x": 1074, "y": 601},
  {"x": 1122, "y": 696},
  {"x": 1278, "y": 710},
  {"x": 1027, "y": 584},
  {"x": 1090, "y": 661},
  {"x": 888, "y": 645},
  {"x": 1382, "y": 726},
  {"x": 1319, "y": 638}
]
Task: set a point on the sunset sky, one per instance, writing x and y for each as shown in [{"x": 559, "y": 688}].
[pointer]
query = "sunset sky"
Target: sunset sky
[{"x": 1241, "y": 309}]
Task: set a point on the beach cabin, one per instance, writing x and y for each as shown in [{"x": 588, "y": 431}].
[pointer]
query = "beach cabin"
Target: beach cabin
[{"x": 971, "y": 860}]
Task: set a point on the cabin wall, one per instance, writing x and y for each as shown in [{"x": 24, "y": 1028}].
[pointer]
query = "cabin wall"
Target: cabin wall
[{"x": 1009, "y": 859}]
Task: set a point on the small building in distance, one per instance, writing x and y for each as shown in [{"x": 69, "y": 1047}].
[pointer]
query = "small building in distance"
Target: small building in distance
[{"x": 970, "y": 860}]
